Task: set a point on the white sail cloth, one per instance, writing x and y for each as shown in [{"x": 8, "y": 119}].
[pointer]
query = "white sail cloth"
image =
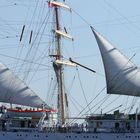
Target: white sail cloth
[
  {"x": 122, "y": 76},
  {"x": 13, "y": 90}
]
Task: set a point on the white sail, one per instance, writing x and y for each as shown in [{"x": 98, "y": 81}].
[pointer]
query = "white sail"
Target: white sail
[
  {"x": 122, "y": 76},
  {"x": 13, "y": 90}
]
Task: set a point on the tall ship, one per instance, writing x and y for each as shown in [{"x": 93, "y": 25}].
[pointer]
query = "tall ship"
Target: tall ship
[{"x": 25, "y": 115}]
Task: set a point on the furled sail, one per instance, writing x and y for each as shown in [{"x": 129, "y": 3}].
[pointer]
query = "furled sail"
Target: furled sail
[
  {"x": 122, "y": 76},
  {"x": 13, "y": 90}
]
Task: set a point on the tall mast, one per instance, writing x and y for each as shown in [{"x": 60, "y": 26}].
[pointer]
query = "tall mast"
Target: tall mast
[
  {"x": 60, "y": 73},
  {"x": 58, "y": 67}
]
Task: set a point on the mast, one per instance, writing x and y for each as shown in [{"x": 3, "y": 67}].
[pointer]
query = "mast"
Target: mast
[
  {"x": 62, "y": 104},
  {"x": 60, "y": 73}
]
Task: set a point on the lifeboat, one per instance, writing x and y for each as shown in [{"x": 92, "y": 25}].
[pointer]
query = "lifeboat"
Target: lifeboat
[{"x": 27, "y": 112}]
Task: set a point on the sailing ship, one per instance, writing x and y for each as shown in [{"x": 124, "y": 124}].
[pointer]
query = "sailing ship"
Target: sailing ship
[{"x": 29, "y": 117}]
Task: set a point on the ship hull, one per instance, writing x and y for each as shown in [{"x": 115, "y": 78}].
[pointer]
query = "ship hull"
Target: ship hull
[{"x": 67, "y": 136}]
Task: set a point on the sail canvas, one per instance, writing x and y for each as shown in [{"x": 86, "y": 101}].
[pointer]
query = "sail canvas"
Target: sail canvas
[
  {"x": 14, "y": 91},
  {"x": 122, "y": 76}
]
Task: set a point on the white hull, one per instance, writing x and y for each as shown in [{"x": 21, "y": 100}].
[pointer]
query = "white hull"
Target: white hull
[{"x": 67, "y": 136}]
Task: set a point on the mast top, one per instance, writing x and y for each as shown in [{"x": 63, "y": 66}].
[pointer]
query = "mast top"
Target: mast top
[{"x": 58, "y": 4}]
